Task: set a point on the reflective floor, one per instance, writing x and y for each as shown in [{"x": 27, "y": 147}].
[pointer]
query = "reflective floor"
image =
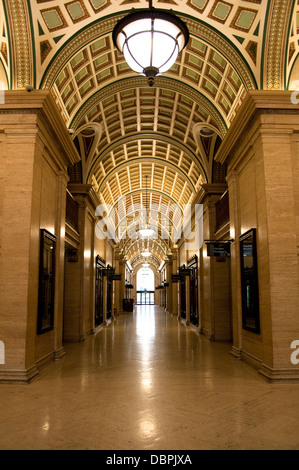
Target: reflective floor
[{"x": 148, "y": 382}]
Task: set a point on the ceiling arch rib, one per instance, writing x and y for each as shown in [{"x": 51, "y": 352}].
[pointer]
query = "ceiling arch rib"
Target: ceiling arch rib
[
  {"x": 141, "y": 130},
  {"x": 139, "y": 262},
  {"x": 163, "y": 177},
  {"x": 134, "y": 250},
  {"x": 207, "y": 73},
  {"x": 160, "y": 244},
  {"x": 82, "y": 66},
  {"x": 165, "y": 220},
  {"x": 56, "y": 26},
  {"x": 163, "y": 228},
  {"x": 148, "y": 146},
  {"x": 20, "y": 35},
  {"x": 153, "y": 160},
  {"x": 127, "y": 91},
  {"x": 130, "y": 210}
]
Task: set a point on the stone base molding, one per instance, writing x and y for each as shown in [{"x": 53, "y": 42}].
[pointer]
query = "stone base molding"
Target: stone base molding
[
  {"x": 16, "y": 376},
  {"x": 290, "y": 375}
]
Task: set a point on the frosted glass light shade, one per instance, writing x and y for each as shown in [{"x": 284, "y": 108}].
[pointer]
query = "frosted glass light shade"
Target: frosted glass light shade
[
  {"x": 150, "y": 40},
  {"x": 146, "y": 254},
  {"x": 146, "y": 232}
]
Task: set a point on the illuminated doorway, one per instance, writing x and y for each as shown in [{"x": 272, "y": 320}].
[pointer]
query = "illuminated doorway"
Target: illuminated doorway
[{"x": 145, "y": 287}]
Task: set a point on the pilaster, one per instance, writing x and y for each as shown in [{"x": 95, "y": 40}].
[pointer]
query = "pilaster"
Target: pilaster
[
  {"x": 35, "y": 151},
  {"x": 260, "y": 151}
]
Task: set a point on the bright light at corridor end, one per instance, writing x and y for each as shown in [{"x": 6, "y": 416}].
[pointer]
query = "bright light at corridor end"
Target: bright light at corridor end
[{"x": 150, "y": 40}]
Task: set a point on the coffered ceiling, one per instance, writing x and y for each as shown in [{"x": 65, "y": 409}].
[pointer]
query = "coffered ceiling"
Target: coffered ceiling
[{"x": 126, "y": 130}]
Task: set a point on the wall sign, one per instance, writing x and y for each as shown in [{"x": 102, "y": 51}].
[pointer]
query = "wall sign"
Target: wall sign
[{"x": 221, "y": 249}]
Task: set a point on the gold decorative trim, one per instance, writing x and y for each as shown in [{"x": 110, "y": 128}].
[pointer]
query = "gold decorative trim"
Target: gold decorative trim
[
  {"x": 197, "y": 29},
  {"x": 276, "y": 44},
  {"x": 159, "y": 82},
  {"x": 21, "y": 43}
]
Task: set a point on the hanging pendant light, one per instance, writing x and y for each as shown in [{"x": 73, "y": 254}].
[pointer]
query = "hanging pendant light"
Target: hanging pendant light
[
  {"x": 146, "y": 231},
  {"x": 150, "y": 40}
]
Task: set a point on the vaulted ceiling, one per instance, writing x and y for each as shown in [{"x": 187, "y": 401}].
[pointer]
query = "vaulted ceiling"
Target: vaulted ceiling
[{"x": 125, "y": 130}]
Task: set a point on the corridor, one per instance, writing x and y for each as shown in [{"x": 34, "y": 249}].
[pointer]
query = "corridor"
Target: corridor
[{"x": 147, "y": 382}]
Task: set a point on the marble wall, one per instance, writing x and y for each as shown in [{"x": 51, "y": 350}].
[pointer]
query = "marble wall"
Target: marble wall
[
  {"x": 35, "y": 153},
  {"x": 261, "y": 151}
]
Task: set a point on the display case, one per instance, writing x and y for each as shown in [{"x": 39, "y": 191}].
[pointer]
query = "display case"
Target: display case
[
  {"x": 45, "y": 321},
  {"x": 249, "y": 282}
]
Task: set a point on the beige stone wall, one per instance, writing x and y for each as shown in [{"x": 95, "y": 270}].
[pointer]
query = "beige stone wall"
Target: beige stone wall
[
  {"x": 262, "y": 158},
  {"x": 214, "y": 275},
  {"x": 79, "y": 299},
  {"x": 33, "y": 192}
]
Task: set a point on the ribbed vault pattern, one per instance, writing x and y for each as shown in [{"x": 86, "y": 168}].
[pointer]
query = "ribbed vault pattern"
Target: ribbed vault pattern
[{"x": 127, "y": 132}]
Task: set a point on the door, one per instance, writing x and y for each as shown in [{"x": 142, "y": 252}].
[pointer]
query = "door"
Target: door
[
  {"x": 100, "y": 264},
  {"x": 145, "y": 298},
  {"x": 194, "y": 314},
  {"x": 183, "y": 297}
]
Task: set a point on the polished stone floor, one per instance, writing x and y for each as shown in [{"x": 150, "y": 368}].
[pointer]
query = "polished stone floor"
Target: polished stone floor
[{"x": 146, "y": 382}]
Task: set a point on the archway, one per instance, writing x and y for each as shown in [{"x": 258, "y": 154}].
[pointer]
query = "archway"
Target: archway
[{"x": 145, "y": 286}]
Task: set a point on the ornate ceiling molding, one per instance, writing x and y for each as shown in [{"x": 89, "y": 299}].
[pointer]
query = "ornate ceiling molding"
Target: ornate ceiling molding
[
  {"x": 21, "y": 43},
  {"x": 161, "y": 82},
  {"x": 276, "y": 44},
  {"x": 79, "y": 41},
  {"x": 196, "y": 28},
  {"x": 153, "y": 136},
  {"x": 136, "y": 161},
  {"x": 212, "y": 37}
]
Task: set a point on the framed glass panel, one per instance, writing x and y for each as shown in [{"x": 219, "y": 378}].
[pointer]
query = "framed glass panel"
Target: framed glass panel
[
  {"x": 45, "y": 320},
  {"x": 249, "y": 282},
  {"x": 99, "y": 312}
]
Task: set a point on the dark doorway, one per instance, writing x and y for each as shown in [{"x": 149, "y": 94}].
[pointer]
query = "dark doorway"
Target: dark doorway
[
  {"x": 99, "y": 310},
  {"x": 193, "y": 266}
]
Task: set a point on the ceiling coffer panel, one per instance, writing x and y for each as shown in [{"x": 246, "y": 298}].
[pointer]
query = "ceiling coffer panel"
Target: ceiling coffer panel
[{"x": 141, "y": 130}]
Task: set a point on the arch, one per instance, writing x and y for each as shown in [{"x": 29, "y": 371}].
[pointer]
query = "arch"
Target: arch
[
  {"x": 3, "y": 77},
  {"x": 154, "y": 224},
  {"x": 145, "y": 278},
  {"x": 158, "y": 242},
  {"x": 154, "y": 265},
  {"x": 167, "y": 83},
  {"x": 154, "y": 136},
  {"x": 133, "y": 161},
  {"x": 143, "y": 190},
  {"x": 293, "y": 81}
]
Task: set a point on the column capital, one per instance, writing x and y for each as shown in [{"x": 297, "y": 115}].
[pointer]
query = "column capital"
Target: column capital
[
  {"x": 210, "y": 190},
  {"x": 258, "y": 111}
]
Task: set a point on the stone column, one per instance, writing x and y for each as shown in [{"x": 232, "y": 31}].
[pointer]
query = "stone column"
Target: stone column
[
  {"x": 214, "y": 288},
  {"x": 169, "y": 298},
  {"x": 35, "y": 152},
  {"x": 175, "y": 286},
  {"x": 261, "y": 151},
  {"x": 60, "y": 255},
  {"x": 79, "y": 296},
  {"x": 235, "y": 264},
  {"x": 122, "y": 265},
  {"x": 117, "y": 284}
]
